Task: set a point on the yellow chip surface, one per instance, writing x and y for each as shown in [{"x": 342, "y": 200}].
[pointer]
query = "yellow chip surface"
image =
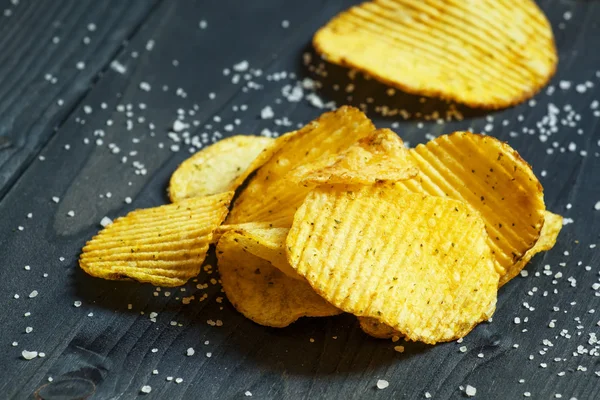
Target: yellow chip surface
[
  {"x": 261, "y": 292},
  {"x": 378, "y": 157},
  {"x": 216, "y": 168},
  {"x": 163, "y": 245},
  {"x": 494, "y": 179},
  {"x": 221, "y": 230},
  {"x": 270, "y": 196},
  {"x": 552, "y": 226},
  {"x": 268, "y": 244},
  {"x": 420, "y": 264},
  {"x": 484, "y": 53}
]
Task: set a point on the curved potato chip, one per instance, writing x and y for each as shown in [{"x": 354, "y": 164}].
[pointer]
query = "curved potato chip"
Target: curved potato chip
[
  {"x": 484, "y": 53},
  {"x": 221, "y": 230},
  {"x": 493, "y": 178},
  {"x": 378, "y": 157},
  {"x": 269, "y": 195},
  {"x": 216, "y": 168},
  {"x": 268, "y": 244},
  {"x": 261, "y": 292},
  {"x": 421, "y": 263},
  {"x": 163, "y": 245},
  {"x": 552, "y": 225},
  {"x": 377, "y": 329}
]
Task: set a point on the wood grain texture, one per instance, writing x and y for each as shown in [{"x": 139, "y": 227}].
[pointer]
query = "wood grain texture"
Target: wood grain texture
[
  {"x": 109, "y": 355},
  {"x": 41, "y": 44}
]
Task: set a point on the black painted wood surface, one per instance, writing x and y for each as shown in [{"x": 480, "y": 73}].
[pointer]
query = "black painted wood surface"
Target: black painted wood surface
[{"x": 104, "y": 350}]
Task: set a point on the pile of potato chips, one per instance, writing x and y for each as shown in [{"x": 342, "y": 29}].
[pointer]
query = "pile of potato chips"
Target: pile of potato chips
[{"x": 340, "y": 217}]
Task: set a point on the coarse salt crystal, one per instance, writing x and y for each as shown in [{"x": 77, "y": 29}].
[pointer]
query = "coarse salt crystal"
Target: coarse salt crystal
[
  {"x": 29, "y": 355},
  {"x": 241, "y": 66},
  {"x": 382, "y": 384},
  {"x": 470, "y": 391},
  {"x": 105, "y": 221},
  {"x": 118, "y": 67},
  {"x": 267, "y": 113}
]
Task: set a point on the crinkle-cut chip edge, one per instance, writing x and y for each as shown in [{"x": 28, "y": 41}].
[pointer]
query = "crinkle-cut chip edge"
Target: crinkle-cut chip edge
[{"x": 547, "y": 240}]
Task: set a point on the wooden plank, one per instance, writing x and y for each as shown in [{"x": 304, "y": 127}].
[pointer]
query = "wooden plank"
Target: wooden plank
[
  {"x": 51, "y": 53},
  {"x": 111, "y": 352}
]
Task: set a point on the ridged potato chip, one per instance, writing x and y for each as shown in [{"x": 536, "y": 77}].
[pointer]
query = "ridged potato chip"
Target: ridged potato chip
[
  {"x": 552, "y": 226},
  {"x": 485, "y": 53},
  {"x": 494, "y": 179},
  {"x": 377, "y": 157},
  {"x": 163, "y": 245},
  {"x": 269, "y": 195},
  {"x": 420, "y": 264},
  {"x": 217, "y": 168},
  {"x": 261, "y": 292},
  {"x": 268, "y": 244},
  {"x": 221, "y": 230}
]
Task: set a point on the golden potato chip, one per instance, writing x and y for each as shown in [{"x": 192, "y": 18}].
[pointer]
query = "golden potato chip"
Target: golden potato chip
[
  {"x": 268, "y": 244},
  {"x": 420, "y": 264},
  {"x": 163, "y": 245},
  {"x": 483, "y": 53},
  {"x": 491, "y": 177},
  {"x": 270, "y": 196},
  {"x": 377, "y": 329},
  {"x": 221, "y": 230},
  {"x": 552, "y": 226},
  {"x": 261, "y": 292},
  {"x": 216, "y": 168},
  {"x": 378, "y": 157}
]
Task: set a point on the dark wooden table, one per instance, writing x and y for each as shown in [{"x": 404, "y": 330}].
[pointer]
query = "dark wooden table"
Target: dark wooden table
[{"x": 89, "y": 91}]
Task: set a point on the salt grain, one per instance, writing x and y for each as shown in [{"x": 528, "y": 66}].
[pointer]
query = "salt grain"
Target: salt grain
[
  {"x": 105, "y": 221},
  {"x": 29, "y": 355},
  {"x": 382, "y": 384},
  {"x": 470, "y": 391}
]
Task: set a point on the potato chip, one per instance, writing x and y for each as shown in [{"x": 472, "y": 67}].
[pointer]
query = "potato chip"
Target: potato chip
[
  {"x": 491, "y": 177},
  {"x": 420, "y": 264},
  {"x": 270, "y": 196},
  {"x": 268, "y": 244},
  {"x": 216, "y": 168},
  {"x": 484, "y": 53},
  {"x": 221, "y": 230},
  {"x": 163, "y": 245},
  {"x": 377, "y": 329},
  {"x": 552, "y": 226},
  {"x": 260, "y": 291},
  {"x": 277, "y": 144},
  {"x": 378, "y": 157}
]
